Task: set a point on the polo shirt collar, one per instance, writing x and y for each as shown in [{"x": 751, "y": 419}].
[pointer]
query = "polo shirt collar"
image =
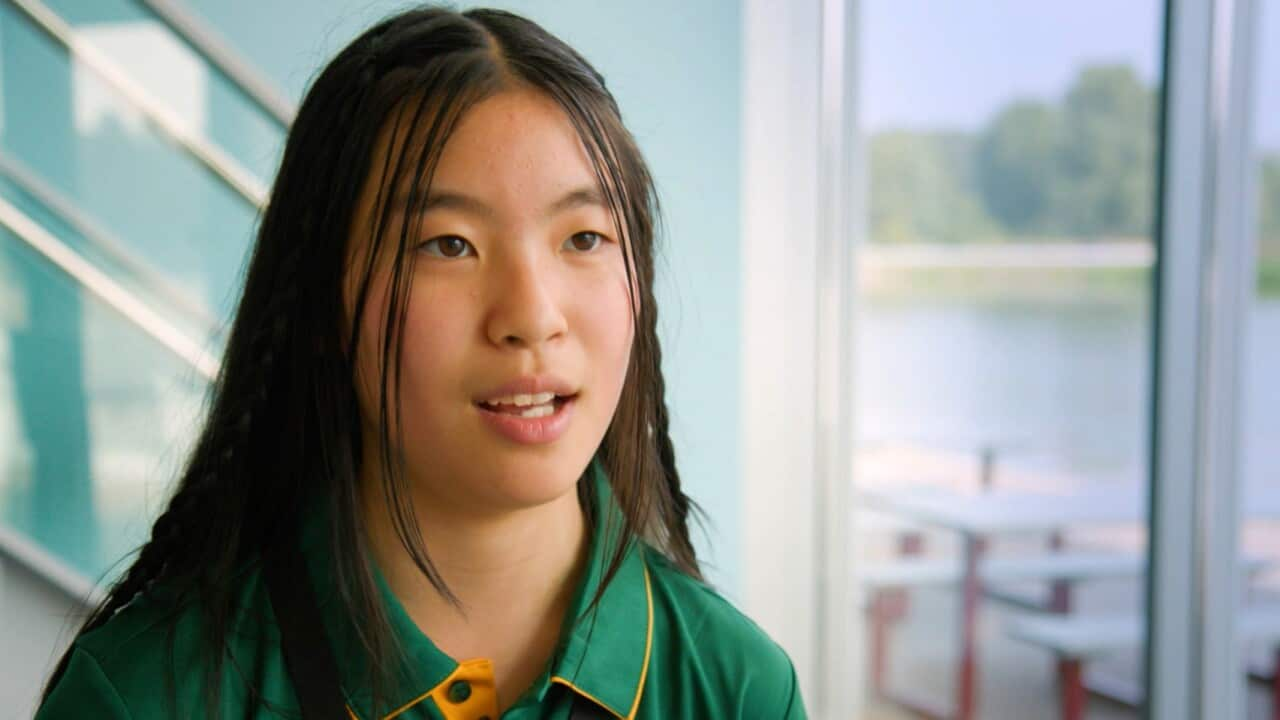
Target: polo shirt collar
[
  {"x": 606, "y": 651},
  {"x": 603, "y": 654}
]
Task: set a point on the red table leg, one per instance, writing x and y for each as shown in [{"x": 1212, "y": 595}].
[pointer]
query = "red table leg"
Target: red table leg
[
  {"x": 879, "y": 621},
  {"x": 910, "y": 543},
  {"x": 1073, "y": 696},
  {"x": 887, "y": 607},
  {"x": 966, "y": 682},
  {"x": 1060, "y": 593}
]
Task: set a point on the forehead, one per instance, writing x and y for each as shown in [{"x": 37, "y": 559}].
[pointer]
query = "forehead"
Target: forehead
[{"x": 514, "y": 149}]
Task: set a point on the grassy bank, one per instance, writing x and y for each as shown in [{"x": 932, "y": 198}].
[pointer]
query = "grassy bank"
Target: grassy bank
[
  {"x": 1269, "y": 278},
  {"x": 1121, "y": 285}
]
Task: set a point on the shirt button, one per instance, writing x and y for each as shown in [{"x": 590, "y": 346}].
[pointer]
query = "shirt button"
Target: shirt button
[{"x": 459, "y": 691}]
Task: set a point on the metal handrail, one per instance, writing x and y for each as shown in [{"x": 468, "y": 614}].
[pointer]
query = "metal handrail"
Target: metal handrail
[
  {"x": 71, "y": 583},
  {"x": 215, "y": 51},
  {"x": 13, "y": 546},
  {"x": 103, "y": 242},
  {"x": 210, "y": 156},
  {"x": 108, "y": 290}
]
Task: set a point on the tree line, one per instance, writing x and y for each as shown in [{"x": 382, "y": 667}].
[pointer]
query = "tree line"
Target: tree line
[{"x": 1078, "y": 169}]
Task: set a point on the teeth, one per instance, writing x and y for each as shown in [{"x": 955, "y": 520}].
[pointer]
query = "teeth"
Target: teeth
[
  {"x": 538, "y": 411},
  {"x": 523, "y": 400}
]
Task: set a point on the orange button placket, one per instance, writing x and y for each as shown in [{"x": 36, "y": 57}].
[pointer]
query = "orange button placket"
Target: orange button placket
[{"x": 481, "y": 703}]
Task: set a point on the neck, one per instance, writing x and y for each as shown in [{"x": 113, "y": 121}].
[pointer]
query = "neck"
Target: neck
[
  {"x": 535, "y": 555},
  {"x": 483, "y": 557}
]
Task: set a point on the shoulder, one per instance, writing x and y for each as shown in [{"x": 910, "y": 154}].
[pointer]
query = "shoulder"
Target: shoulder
[
  {"x": 702, "y": 637},
  {"x": 109, "y": 668},
  {"x": 83, "y": 691},
  {"x": 154, "y": 653}
]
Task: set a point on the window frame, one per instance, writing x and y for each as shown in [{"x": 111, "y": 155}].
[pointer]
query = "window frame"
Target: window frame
[{"x": 1205, "y": 284}]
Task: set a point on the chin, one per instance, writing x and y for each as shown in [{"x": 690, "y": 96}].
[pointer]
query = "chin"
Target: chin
[{"x": 525, "y": 484}]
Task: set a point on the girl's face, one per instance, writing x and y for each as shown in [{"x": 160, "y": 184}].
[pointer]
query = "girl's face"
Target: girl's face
[{"x": 517, "y": 288}]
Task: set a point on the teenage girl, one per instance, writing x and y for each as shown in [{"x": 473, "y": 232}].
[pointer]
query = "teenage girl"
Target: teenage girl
[{"x": 436, "y": 479}]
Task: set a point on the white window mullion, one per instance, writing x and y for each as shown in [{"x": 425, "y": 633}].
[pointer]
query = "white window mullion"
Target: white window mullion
[
  {"x": 779, "y": 250},
  {"x": 796, "y": 309},
  {"x": 840, "y": 214},
  {"x": 1205, "y": 283}
]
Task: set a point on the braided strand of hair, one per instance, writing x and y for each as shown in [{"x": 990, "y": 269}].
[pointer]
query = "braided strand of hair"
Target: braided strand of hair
[
  {"x": 178, "y": 534},
  {"x": 681, "y": 544}
]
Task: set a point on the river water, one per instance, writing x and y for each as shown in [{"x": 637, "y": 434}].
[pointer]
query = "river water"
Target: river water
[{"x": 1060, "y": 385}]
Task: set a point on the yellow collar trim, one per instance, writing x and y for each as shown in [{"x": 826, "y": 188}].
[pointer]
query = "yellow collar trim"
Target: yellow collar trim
[
  {"x": 644, "y": 668},
  {"x": 635, "y": 704}
]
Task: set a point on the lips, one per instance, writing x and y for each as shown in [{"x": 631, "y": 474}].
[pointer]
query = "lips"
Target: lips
[
  {"x": 508, "y": 391},
  {"x": 530, "y": 406},
  {"x": 530, "y": 409},
  {"x": 529, "y": 425}
]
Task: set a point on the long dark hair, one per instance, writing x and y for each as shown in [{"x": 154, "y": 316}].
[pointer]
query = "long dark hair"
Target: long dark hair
[{"x": 283, "y": 427}]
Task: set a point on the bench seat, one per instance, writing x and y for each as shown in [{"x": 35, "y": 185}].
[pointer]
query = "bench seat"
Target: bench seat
[
  {"x": 1087, "y": 637},
  {"x": 1065, "y": 565}
]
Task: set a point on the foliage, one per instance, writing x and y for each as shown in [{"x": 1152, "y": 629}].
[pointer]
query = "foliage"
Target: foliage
[
  {"x": 1079, "y": 169},
  {"x": 1269, "y": 211},
  {"x": 922, "y": 189},
  {"x": 1083, "y": 168}
]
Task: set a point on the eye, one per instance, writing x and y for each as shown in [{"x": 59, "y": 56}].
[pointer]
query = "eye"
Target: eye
[
  {"x": 585, "y": 241},
  {"x": 447, "y": 246}
]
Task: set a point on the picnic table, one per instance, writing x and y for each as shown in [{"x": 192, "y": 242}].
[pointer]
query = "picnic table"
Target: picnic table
[{"x": 978, "y": 516}]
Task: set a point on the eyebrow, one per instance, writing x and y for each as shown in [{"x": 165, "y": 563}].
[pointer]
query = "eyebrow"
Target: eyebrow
[{"x": 584, "y": 196}]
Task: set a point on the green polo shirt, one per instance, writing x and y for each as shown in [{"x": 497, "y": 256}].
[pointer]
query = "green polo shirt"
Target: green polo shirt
[{"x": 661, "y": 645}]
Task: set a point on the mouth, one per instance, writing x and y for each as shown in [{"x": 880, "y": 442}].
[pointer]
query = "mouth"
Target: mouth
[
  {"x": 534, "y": 419},
  {"x": 535, "y": 405}
]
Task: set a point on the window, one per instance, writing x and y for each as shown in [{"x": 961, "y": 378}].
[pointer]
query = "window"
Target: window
[{"x": 1002, "y": 350}]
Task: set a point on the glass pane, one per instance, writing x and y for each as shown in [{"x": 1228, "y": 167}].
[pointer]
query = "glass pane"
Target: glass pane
[
  {"x": 176, "y": 303},
  {"x": 1261, "y": 387},
  {"x": 79, "y": 137},
  {"x": 162, "y": 64},
  {"x": 95, "y": 416},
  {"x": 1003, "y": 352}
]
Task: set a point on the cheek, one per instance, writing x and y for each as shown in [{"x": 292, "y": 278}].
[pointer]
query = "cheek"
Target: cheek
[
  {"x": 435, "y": 325},
  {"x": 607, "y": 328},
  {"x": 437, "y": 332}
]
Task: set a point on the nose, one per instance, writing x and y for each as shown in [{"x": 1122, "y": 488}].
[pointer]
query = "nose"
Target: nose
[{"x": 525, "y": 311}]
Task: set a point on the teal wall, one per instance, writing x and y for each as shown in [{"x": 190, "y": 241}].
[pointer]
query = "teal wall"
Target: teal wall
[{"x": 675, "y": 68}]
